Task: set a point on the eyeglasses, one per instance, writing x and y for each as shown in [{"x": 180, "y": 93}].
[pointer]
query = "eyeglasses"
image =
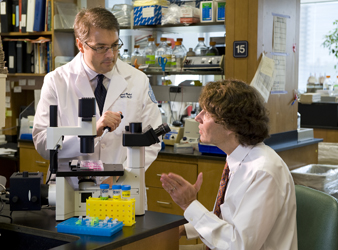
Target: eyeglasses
[{"x": 104, "y": 49}]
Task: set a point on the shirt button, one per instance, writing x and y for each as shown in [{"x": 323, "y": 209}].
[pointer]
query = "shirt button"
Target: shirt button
[{"x": 103, "y": 145}]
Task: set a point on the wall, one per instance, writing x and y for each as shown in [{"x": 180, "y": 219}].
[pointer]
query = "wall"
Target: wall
[{"x": 252, "y": 20}]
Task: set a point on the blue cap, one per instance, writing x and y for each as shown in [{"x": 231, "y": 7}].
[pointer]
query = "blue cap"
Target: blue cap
[
  {"x": 116, "y": 187},
  {"x": 126, "y": 187},
  {"x": 104, "y": 186}
]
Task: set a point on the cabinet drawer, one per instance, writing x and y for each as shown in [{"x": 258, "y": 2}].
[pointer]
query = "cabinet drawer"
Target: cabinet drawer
[
  {"x": 153, "y": 173},
  {"x": 160, "y": 201}
]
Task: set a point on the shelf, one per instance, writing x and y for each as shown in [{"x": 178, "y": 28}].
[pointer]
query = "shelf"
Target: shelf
[
  {"x": 44, "y": 33},
  {"x": 168, "y": 28},
  {"x": 26, "y": 74},
  {"x": 197, "y": 72},
  {"x": 181, "y": 28}
]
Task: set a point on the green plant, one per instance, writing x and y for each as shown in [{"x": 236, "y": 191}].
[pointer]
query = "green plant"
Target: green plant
[{"x": 331, "y": 41}]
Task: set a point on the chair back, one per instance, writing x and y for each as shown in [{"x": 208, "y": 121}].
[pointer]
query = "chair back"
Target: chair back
[{"x": 317, "y": 219}]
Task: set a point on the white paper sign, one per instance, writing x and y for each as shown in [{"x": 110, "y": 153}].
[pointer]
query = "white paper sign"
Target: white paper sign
[
  {"x": 148, "y": 12},
  {"x": 17, "y": 89},
  {"x": 3, "y": 8},
  {"x": 22, "y": 82},
  {"x": 31, "y": 82}
]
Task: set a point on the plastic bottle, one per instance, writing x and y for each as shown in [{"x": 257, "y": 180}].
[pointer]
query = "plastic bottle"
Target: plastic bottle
[
  {"x": 178, "y": 57},
  {"x": 116, "y": 192},
  {"x": 126, "y": 192},
  {"x": 125, "y": 57},
  {"x": 104, "y": 188},
  {"x": 212, "y": 50},
  {"x": 191, "y": 52},
  {"x": 201, "y": 48},
  {"x": 137, "y": 55},
  {"x": 168, "y": 54},
  {"x": 183, "y": 47},
  {"x": 149, "y": 52}
]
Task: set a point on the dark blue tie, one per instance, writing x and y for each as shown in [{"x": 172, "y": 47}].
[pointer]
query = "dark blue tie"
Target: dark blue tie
[{"x": 100, "y": 92}]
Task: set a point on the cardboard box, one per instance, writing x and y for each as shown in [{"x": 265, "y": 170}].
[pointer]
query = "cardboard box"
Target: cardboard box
[
  {"x": 207, "y": 11},
  {"x": 220, "y": 11},
  {"x": 149, "y": 15}
]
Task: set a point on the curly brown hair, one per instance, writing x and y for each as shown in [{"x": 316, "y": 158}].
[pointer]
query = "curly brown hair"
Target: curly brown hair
[
  {"x": 238, "y": 107},
  {"x": 95, "y": 17}
]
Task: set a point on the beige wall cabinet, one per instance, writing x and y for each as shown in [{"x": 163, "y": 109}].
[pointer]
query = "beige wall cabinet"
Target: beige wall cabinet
[{"x": 31, "y": 161}]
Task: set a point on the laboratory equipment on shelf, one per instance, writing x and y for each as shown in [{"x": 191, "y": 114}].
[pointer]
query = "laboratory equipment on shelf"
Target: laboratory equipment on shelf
[{"x": 201, "y": 48}]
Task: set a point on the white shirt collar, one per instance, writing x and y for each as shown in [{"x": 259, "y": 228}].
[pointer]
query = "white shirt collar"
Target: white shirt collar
[
  {"x": 237, "y": 156},
  {"x": 91, "y": 73}
]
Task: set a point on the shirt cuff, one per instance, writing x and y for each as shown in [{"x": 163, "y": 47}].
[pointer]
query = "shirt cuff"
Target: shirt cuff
[
  {"x": 191, "y": 231},
  {"x": 194, "y": 212}
]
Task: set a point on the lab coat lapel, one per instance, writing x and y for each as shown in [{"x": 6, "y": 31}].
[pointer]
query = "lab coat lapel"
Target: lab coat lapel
[
  {"x": 82, "y": 84},
  {"x": 117, "y": 85}
]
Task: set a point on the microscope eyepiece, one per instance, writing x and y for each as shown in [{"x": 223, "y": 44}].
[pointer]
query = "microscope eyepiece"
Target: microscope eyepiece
[{"x": 162, "y": 129}]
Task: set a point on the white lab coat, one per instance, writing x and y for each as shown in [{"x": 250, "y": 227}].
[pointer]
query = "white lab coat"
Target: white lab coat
[{"x": 129, "y": 92}]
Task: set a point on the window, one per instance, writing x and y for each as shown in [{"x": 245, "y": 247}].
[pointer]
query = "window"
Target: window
[{"x": 316, "y": 20}]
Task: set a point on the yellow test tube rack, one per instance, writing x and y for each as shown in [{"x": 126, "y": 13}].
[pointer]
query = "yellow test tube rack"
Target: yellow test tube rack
[{"x": 122, "y": 210}]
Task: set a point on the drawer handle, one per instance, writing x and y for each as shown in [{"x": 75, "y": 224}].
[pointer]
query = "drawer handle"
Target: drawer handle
[
  {"x": 159, "y": 175},
  {"x": 40, "y": 162},
  {"x": 164, "y": 203}
]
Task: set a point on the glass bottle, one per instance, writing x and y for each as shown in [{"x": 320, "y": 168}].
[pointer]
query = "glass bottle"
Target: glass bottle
[
  {"x": 182, "y": 45},
  {"x": 191, "y": 52},
  {"x": 149, "y": 52},
  {"x": 328, "y": 83},
  {"x": 161, "y": 49},
  {"x": 212, "y": 50},
  {"x": 168, "y": 54},
  {"x": 178, "y": 57},
  {"x": 201, "y": 48},
  {"x": 137, "y": 55},
  {"x": 125, "y": 57}
]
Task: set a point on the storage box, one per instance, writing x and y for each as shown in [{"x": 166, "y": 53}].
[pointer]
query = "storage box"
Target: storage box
[
  {"x": 207, "y": 11},
  {"x": 149, "y": 15},
  {"x": 209, "y": 149},
  {"x": 321, "y": 177},
  {"x": 309, "y": 98},
  {"x": 220, "y": 11}
]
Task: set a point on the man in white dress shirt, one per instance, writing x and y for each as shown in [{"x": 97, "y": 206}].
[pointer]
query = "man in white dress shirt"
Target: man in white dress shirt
[{"x": 259, "y": 209}]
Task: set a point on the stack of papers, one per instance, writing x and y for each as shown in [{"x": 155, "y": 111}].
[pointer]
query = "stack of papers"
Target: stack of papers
[{"x": 309, "y": 98}]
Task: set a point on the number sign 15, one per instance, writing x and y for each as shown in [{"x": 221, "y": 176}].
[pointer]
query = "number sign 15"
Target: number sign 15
[{"x": 240, "y": 49}]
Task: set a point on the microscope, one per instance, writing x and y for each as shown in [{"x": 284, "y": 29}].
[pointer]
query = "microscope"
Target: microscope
[{"x": 69, "y": 198}]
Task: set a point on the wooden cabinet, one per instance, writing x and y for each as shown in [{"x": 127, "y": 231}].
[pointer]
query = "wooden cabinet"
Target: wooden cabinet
[
  {"x": 189, "y": 168},
  {"x": 31, "y": 161}
]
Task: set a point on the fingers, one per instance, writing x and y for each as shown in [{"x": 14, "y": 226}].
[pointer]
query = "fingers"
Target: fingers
[
  {"x": 109, "y": 119},
  {"x": 199, "y": 182}
]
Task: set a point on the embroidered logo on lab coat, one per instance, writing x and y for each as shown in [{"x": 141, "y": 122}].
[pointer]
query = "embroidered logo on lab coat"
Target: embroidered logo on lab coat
[
  {"x": 126, "y": 95},
  {"x": 151, "y": 95}
]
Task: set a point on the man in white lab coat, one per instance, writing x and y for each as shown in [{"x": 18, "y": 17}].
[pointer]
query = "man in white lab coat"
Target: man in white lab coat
[
  {"x": 255, "y": 208},
  {"x": 127, "y": 91}
]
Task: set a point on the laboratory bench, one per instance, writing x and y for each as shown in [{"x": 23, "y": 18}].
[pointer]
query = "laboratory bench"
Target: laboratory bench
[
  {"x": 322, "y": 117},
  {"x": 152, "y": 231}
]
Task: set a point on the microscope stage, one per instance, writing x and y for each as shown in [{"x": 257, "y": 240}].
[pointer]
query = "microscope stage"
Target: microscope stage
[{"x": 109, "y": 170}]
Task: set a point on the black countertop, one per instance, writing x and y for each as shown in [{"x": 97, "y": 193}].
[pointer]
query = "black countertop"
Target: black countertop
[{"x": 150, "y": 224}]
